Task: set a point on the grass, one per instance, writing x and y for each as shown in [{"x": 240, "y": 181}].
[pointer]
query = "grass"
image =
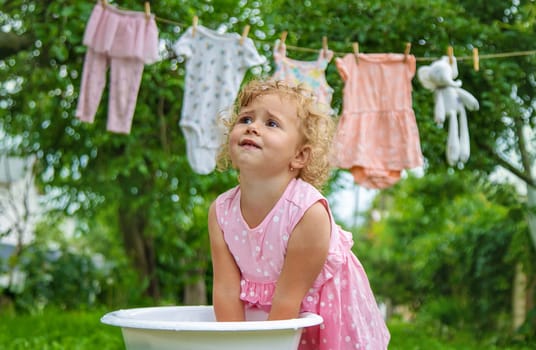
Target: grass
[
  {"x": 55, "y": 330},
  {"x": 82, "y": 330},
  {"x": 412, "y": 336}
]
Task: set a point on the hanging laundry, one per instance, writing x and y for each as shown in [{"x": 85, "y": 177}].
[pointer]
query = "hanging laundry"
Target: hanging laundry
[
  {"x": 215, "y": 67},
  {"x": 450, "y": 101},
  {"x": 310, "y": 73},
  {"x": 123, "y": 41},
  {"x": 377, "y": 135}
]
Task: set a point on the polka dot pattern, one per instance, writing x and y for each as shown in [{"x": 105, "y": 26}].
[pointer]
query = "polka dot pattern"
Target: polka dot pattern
[{"x": 341, "y": 294}]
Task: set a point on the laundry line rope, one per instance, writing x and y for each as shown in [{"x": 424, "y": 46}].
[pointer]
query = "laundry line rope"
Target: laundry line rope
[{"x": 306, "y": 49}]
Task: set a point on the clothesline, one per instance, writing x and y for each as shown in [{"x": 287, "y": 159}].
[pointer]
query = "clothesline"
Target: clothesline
[
  {"x": 458, "y": 58},
  {"x": 306, "y": 49},
  {"x": 229, "y": 74}
]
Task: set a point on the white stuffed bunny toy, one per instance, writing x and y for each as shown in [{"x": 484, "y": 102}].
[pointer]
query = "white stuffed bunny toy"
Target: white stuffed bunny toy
[{"x": 450, "y": 100}]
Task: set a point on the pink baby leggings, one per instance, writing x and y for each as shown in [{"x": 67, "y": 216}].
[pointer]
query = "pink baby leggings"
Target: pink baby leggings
[
  {"x": 123, "y": 41},
  {"x": 125, "y": 79}
]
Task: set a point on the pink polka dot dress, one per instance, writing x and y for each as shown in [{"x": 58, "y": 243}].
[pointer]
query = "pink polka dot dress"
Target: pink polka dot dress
[{"x": 341, "y": 293}]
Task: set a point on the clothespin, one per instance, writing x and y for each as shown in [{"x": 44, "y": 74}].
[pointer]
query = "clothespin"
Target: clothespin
[
  {"x": 325, "y": 46},
  {"x": 450, "y": 53},
  {"x": 355, "y": 45},
  {"x": 244, "y": 34},
  {"x": 147, "y": 9},
  {"x": 104, "y": 3},
  {"x": 284, "y": 36},
  {"x": 406, "y": 51},
  {"x": 476, "y": 59},
  {"x": 194, "y": 25},
  {"x": 282, "y": 40}
]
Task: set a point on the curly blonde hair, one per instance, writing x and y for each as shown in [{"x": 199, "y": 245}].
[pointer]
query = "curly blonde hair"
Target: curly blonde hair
[{"x": 317, "y": 126}]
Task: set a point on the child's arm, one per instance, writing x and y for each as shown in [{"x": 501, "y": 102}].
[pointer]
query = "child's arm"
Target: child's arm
[
  {"x": 306, "y": 254},
  {"x": 226, "y": 279}
]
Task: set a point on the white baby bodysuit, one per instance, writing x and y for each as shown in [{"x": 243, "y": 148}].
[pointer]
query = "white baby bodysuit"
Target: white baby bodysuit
[{"x": 215, "y": 67}]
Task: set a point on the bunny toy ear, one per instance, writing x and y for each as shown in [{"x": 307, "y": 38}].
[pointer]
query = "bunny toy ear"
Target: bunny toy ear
[{"x": 453, "y": 65}]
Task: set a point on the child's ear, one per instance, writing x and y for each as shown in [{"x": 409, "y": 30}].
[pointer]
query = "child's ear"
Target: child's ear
[{"x": 301, "y": 158}]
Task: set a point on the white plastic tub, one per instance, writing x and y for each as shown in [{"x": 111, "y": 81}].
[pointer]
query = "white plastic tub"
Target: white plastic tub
[{"x": 195, "y": 328}]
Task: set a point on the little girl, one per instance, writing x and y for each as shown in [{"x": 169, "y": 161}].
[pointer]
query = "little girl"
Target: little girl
[{"x": 275, "y": 245}]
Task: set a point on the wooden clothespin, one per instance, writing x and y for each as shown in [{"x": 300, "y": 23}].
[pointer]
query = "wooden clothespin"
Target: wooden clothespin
[
  {"x": 284, "y": 37},
  {"x": 147, "y": 9},
  {"x": 245, "y": 33},
  {"x": 450, "y": 53},
  {"x": 104, "y": 3},
  {"x": 325, "y": 46},
  {"x": 194, "y": 25},
  {"x": 282, "y": 41},
  {"x": 355, "y": 45},
  {"x": 476, "y": 59},
  {"x": 406, "y": 51}
]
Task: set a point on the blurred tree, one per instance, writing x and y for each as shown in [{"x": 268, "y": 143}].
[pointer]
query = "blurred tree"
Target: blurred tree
[
  {"x": 11, "y": 43},
  {"x": 19, "y": 212},
  {"x": 144, "y": 176},
  {"x": 449, "y": 244}
]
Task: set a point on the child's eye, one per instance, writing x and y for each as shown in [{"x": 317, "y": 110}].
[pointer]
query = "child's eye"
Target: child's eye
[
  {"x": 245, "y": 120},
  {"x": 272, "y": 124}
]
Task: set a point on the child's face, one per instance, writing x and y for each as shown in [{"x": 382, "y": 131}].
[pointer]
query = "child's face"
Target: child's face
[{"x": 266, "y": 135}]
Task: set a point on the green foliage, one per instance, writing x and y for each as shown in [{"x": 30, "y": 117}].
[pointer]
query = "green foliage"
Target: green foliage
[
  {"x": 73, "y": 272},
  {"x": 67, "y": 279},
  {"x": 444, "y": 245}
]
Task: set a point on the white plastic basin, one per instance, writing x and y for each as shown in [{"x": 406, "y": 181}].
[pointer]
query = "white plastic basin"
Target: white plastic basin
[{"x": 195, "y": 328}]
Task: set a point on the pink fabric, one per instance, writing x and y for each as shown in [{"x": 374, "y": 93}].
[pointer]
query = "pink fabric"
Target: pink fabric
[
  {"x": 377, "y": 133},
  {"x": 122, "y": 33},
  {"x": 123, "y": 41},
  {"x": 341, "y": 294}
]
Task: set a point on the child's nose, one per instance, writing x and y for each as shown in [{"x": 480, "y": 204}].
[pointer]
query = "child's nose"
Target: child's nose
[{"x": 252, "y": 128}]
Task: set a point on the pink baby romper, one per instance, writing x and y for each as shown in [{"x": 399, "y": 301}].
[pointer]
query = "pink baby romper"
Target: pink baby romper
[
  {"x": 123, "y": 41},
  {"x": 377, "y": 135},
  {"x": 341, "y": 294},
  {"x": 309, "y": 73}
]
